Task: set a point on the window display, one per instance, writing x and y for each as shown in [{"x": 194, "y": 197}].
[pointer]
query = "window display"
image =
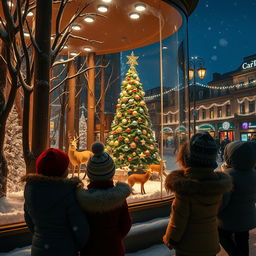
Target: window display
[{"x": 137, "y": 108}]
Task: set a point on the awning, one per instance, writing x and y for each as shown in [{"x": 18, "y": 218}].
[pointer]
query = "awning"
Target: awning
[
  {"x": 181, "y": 128},
  {"x": 167, "y": 130},
  {"x": 206, "y": 127}
]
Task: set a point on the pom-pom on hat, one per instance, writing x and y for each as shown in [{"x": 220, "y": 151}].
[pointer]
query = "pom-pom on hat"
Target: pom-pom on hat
[
  {"x": 52, "y": 162},
  {"x": 100, "y": 166},
  {"x": 201, "y": 151}
]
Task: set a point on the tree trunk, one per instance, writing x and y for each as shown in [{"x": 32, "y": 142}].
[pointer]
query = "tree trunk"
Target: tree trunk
[
  {"x": 62, "y": 117},
  {"x": 40, "y": 130},
  {"x": 91, "y": 101},
  {"x": 102, "y": 102},
  {"x": 71, "y": 102}
]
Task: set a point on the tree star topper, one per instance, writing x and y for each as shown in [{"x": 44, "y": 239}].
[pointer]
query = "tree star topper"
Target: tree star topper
[{"x": 132, "y": 60}]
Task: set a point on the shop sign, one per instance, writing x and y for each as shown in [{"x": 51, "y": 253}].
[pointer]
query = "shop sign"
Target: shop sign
[
  {"x": 225, "y": 126},
  {"x": 250, "y": 64},
  {"x": 248, "y": 125},
  {"x": 167, "y": 130}
]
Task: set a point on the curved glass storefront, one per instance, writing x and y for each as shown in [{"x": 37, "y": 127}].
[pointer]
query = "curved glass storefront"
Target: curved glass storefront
[{"x": 133, "y": 97}]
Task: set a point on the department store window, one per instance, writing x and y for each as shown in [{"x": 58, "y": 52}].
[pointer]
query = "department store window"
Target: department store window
[
  {"x": 251, "y": 106},
  {"x": 228, "y": 110},
  {"x": 203, "y": 114},
  {"x": 219, "y": 112},
  {"x": 241, "y": 84},
  {"x": 242, "y": 108},
  {"x": 212, "y": 113}
]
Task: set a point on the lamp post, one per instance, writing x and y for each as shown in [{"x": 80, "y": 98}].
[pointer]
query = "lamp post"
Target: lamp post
[{"x": 195, "y": 63}]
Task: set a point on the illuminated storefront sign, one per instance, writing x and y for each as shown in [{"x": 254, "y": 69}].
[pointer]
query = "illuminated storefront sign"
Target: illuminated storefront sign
[
  {"x": 248, "y": 125},
  {"x": 250, "y": 64},
  {"x": 225, "y": 126}
]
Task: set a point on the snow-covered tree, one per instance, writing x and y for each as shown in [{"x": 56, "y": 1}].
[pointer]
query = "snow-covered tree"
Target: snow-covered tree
[
  {"x": 82, "y": 131},
  {"x": 14, "y": 153}
]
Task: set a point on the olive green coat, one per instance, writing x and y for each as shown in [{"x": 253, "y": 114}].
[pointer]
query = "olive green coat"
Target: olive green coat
[{"x": 192, "y": 229}]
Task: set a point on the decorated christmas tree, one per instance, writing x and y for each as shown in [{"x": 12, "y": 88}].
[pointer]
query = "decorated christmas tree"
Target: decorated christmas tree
[
  {"x": 131, "y": 141},
  {"x": 82, "y": 132}
]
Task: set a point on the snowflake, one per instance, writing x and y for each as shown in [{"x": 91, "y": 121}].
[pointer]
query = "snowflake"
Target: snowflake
[
  {"x": 214, "y": 47},
  {"x": 75, "y": 228},
  {"x": 223, "y": 42},
  {"x": 214, "y": 57},
  {"x": 46, "y": 246},
  {"x": 207, "y": 5},
  {"x": 209, "y": 28}
]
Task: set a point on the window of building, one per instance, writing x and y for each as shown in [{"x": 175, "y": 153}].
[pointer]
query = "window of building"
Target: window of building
[
  {"x": 203, "y": 113},
  {"x": 201, "y": 95},
  {"x": 251, "y": 81},
  {"x": 251, "y": 106},
  {"x": 242, "y": 108},
  {"x": 170, "y": 118},
  {"x": 241, "y": 84},
  {"x": 228, "y": 110},
  {"x": 212, "y": 113},
  {"x": 219, "y": 112}
]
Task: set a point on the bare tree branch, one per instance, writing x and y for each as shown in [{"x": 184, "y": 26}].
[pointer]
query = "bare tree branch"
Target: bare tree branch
[
  {"x": 65, "y": 61},
  {"x": 56, "y": 77},
  {"x": 32, "y": 38},
  {"x": 85, "y": 39}
]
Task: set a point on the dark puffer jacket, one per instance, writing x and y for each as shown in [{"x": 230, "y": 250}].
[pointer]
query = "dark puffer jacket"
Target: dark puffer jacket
[
  {"x": 193, "y": 229},
  {"x": 54, "y": 217},
  {"x": 238, "y": 212},
  {"x": 108, "y": 216}
]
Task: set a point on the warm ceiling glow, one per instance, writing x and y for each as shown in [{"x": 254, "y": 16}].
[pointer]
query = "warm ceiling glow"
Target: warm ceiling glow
[
  {"x": 107, "y": 1},
  {"x": 30, "y": 14},
  {"x": 10, "y": 4},
  {"x": 52, "y": 37},
  {"x": 140, "y": 7},
  {"x": 134, "y": 15},
  {"x": 89, "y": 19},
  {"x": 87, "y": 49},
  {"x": 102, "y": 8},
  {"x": 76, "y": 27},
  {"x": 26, "y": 34},
  {"x": 65, "y": 47},
  {"x": 73, "y": 53}
]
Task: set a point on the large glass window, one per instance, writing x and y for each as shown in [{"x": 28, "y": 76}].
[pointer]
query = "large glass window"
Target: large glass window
[
  {"x": 228, "y": 110},
  {"x": 219, "y": 112},
  {"x": 251, "y": 106},
  {"x": 242, "y": 108},
  {"x": 211, "y": 113},
  {"x": 134, "y": 98}
]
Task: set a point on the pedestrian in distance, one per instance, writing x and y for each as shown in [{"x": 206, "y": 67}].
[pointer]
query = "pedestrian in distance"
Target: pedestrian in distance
[
  {"x": 237, "y": 215},
  {"x": 58, "y": 225},
  {"x": 105, "y": 206},
  {"x": 198, "y": 190}
]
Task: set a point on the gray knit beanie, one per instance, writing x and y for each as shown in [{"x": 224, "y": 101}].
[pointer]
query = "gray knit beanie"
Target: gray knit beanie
[
  {"x": 100, "y": 166},
  {"x": 201, "y": 151}
]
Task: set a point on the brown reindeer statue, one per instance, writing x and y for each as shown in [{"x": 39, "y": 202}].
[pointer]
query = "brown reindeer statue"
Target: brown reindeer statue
[
  {"x": 140, "y": 179},
  {"x": 77, "y": 157}
]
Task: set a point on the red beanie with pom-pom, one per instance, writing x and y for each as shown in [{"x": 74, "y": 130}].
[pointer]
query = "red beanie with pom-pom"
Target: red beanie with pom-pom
[{"x": 52, "y": 162}]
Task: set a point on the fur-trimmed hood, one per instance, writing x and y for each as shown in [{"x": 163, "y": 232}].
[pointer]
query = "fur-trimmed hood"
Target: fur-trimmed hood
[
  {"x": 102, "y": 200},
  {"x": 198, "y": 181}
]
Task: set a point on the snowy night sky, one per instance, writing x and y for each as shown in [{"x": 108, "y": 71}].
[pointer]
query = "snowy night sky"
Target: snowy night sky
[{"x": 222, "y": 32}]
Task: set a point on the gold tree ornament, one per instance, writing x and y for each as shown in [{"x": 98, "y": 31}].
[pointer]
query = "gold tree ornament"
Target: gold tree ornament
[{"x": 132, "y": 60}]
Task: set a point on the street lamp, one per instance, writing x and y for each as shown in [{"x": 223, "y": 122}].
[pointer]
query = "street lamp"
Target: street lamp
[{"x": 195, "y": 63}]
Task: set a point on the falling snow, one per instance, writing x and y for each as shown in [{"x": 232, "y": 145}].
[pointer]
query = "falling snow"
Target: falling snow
[
  {"x": 209, "y": 28},
  {"x": 223, "y": 42},
  {"x": 214, "y": 57}
]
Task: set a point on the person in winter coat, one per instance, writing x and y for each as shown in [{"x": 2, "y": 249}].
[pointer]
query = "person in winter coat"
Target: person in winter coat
[
  {"x": 58, "y": 225},
  {"x": 238, "y": 212},
  {"x": 193, "y": 229},
  {"x": 105, "y": 206}
]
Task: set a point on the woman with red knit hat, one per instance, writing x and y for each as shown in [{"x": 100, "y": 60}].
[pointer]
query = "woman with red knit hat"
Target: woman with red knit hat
[{"x": 52, "y": 214}]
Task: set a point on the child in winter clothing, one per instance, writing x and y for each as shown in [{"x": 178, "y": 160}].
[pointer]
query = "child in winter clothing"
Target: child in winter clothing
[
  {"x": 58, "y": 225},
  {"x": 105, "y": 206},
  {"x": 192, "y": 229},
  {"x": 238, "y": 212}
]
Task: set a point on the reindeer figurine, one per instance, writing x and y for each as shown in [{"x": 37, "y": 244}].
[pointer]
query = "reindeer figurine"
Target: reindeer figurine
[
  {"x": 141, "y": 179},
  {"x": 77, "y": 158}
]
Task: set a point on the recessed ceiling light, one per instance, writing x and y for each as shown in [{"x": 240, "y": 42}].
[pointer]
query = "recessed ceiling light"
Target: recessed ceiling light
[
  {"x": 26, "y": 34},
  {"x": 52, "y": 37},
  {"x": 73, "y": 53},
  {"x": 107, "y": 1},
  {"x": 102, "y": 8},
  {"x": 10, "y": 4},
  {"x": 76, "y": 27},
  {"x": 140, "y": 7},
  {"x": 134, "y": 15},
  {"x": 87, "y": 49},
  {"x": 65, "y": 47},
  {"x": 89, "y": 19},
  {"x": 30, "y": 14}
]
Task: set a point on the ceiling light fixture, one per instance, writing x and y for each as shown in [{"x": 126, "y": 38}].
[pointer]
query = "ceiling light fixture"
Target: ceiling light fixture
[
  {"x": 140, "y": 7},
  {"x": 26, "y": 34},
  {"x": 76, "y": 27},
  {"x": 107, "y": 1},
  {"x": 89, "y": 19},
  {"x": 30, "y": 14},
  {"x": 87, "y": 49},
  {"x": 65, "y": 47},
  {"x": 102, "y": 8},
  {"x": 134, "y": 15},
  {"x": 73, "y": 53},
  {"x": 10, "y": 4}
]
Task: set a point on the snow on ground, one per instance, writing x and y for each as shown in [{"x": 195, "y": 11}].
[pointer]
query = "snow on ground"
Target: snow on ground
[{"x": 11, "y": 208}]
